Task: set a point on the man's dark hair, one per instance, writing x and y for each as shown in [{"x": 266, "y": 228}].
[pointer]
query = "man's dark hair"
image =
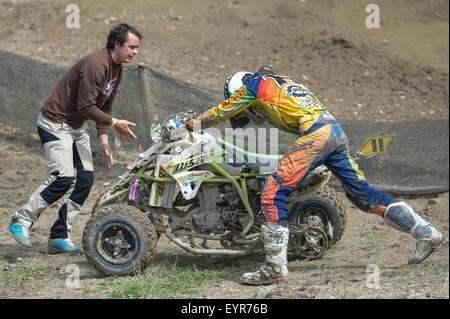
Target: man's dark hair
[{"x": 119, "y": 34}]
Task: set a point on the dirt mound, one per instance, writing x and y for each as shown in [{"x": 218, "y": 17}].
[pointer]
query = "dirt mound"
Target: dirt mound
[{"x": 396, "y": 72}]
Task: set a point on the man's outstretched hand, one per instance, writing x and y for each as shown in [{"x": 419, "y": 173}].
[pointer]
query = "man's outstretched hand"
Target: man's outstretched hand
[
  {"x": 105, "y": 149},
  {"x": 123, "y": 128}
]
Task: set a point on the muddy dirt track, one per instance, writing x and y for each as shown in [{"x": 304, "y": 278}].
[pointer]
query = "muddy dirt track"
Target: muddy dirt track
[{"x": 396, "y": 73}]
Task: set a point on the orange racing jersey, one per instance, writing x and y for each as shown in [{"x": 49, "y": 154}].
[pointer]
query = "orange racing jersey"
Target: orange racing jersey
[{"x": 285, "y": 103}]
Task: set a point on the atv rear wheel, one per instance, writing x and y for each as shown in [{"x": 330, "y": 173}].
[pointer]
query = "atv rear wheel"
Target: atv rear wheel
[{"x": 323, "y": 209}]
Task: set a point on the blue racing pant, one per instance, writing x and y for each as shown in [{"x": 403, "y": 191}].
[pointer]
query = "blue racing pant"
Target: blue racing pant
[{"x": 324, "y": 143}]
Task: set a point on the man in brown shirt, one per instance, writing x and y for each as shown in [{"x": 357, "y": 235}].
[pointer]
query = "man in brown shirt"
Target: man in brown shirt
[{"x": 85, "y": 92}]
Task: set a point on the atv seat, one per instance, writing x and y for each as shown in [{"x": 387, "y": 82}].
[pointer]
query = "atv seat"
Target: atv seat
[{"x": 241, "y": 161}]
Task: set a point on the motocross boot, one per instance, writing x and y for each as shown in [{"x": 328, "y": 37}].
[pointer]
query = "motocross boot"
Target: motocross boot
[
  {"x": 275, "y": 239},
  {"x": 401, "y": 216}
]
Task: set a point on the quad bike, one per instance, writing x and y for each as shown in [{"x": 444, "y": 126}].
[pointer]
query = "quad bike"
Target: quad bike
[{"x": 182, "y": 187}]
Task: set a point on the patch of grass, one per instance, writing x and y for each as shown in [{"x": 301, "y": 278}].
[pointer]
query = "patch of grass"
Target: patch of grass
[
  {"x": 22, "y": 273},
  {"x": 437, "y": 267},
  {"x": 166, "y": 279},
  {"x": 367, "y": 243}
]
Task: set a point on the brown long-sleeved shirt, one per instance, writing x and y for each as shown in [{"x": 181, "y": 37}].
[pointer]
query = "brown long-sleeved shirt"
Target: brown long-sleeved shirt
[{"x": 86, "y": 91}]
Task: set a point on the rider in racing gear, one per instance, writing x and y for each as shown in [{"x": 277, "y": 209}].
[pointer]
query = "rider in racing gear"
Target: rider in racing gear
[{"x": 288, "y": 105}]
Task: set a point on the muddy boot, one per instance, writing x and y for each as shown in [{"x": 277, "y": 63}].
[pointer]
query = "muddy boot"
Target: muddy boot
[
  {"x": 401, "y": 216},
  {"x": 275, "y": 239}
]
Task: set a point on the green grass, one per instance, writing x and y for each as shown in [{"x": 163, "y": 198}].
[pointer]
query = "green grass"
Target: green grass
[
  {"x": 21, "y": 273},
  {"x": 367, "y": 243},
  {"x": 170, "y": 278}
]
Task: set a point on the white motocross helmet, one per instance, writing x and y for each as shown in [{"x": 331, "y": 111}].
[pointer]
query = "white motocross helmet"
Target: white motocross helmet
[{"x": 234, "y": 83}]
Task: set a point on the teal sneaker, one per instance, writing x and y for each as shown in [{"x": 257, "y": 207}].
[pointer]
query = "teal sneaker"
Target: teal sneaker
[
  {"x": 20, "y": 233},
  {"x": 60, "y": 245}
]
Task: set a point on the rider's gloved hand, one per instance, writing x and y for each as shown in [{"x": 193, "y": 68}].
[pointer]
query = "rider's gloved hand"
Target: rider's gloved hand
[{"x": 190, "y": 125}]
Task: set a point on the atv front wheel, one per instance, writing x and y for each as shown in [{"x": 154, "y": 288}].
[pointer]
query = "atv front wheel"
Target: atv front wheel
[{"x": 119, "y": 240}]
